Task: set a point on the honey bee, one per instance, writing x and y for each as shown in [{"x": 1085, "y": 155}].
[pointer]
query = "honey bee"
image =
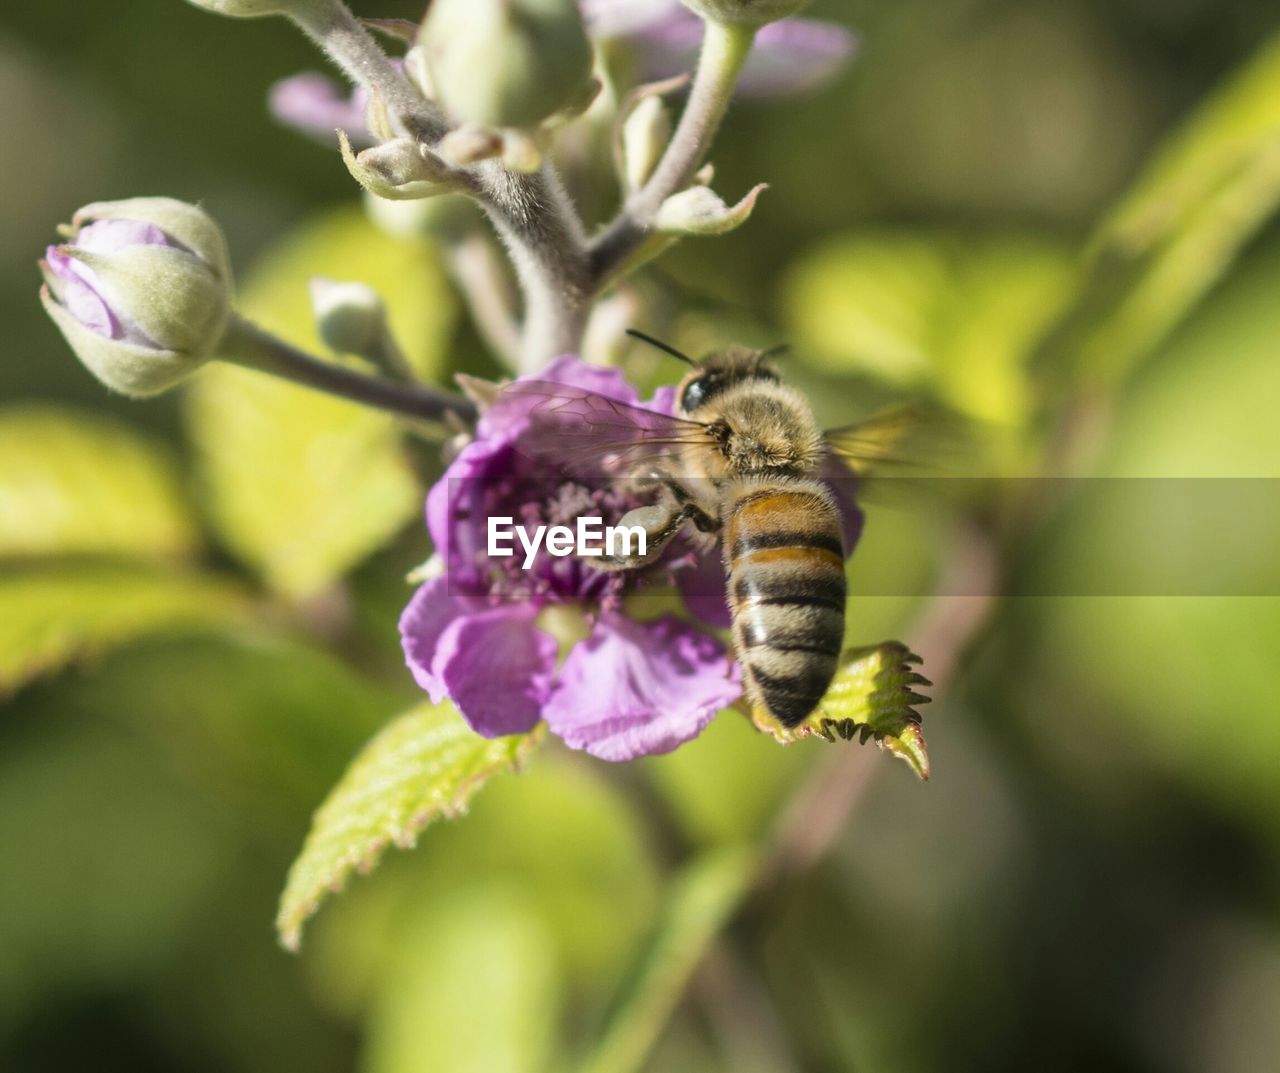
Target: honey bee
[{"x": 743, "y": 459}]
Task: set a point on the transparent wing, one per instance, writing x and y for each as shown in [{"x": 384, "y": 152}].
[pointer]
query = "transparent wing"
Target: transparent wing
[
  {"x": 887, "y": 438},
  {"x": 906, "y": 455},
  {"x": 583, "y": 432}
]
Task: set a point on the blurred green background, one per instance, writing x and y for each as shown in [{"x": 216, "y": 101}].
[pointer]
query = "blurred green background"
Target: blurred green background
[{"x": 1091, "y": 880}]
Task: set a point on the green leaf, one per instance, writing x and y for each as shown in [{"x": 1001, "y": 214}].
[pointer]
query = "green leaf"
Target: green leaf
[
  {"x": 425, "y": 764},
  {"x": 872, "y": 696},
  {"x": 1183, "y": 223},
  {"x": 474, "y": 984},
  {"x": 1185, "y": 685},
  {"x": 931, "y": 311},
  {"x": 561, "y": 833},
  {"x": 73, "y": 484},
  {"x": 53, "y": 615},
  {"x": 700, "y": 903},
  {"x": 262, "y": 723},
  {"x": 303, "y": 486}
]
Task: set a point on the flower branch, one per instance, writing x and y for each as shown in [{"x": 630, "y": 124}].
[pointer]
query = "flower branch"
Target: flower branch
[
  {"x": 247, "y": 345},
  {"x": 530, "y": 211},
  {"x": 542, "y": 233},
  {"x": 725, "y": 48},
  {"x": 344, "y": 39}
]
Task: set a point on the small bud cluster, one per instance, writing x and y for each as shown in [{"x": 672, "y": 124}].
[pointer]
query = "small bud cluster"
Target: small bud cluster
[
  {"x": 141, "y": 289},
  {"x": 506, "y": 71}
]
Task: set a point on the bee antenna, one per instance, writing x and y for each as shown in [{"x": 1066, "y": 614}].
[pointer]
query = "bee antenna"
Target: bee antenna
[
  {"x": 774, "y": 351},
  {"x": 665, "y": 347}
]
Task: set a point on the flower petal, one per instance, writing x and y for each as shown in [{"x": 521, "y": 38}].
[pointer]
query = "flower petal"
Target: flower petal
[
  {"x": 488, "y": 456},
  {"x": 457, "y": 497},
  {"x": 508, "y": 417},
  {"x": 317, "y": 106},
  {"x": 430, "y": 612},
  {"x": 498, "y": 667},
  {"x": 664, "y": 400},
  {"x": 634, "y": 689},
  {"x": 111, "y": 236},
  {"x": 791, "y": 56},
  {"x": 702, "y": 584},
  {"x": 76, "y": 288},
  {"x": 795, "y": 56}
]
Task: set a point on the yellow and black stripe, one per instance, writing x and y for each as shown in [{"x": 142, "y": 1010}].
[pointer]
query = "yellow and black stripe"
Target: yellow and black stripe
[{"x": 787, "y": 592}]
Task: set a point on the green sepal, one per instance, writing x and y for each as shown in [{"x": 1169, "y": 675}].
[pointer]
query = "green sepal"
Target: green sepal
[
  {"x": 133, "y": 370},
  {"x": 395, "y": 170},
  {"x": 188, "y": 224},
  {"x": 700, "y": 211},
  {"x": 174, "y": 297}
]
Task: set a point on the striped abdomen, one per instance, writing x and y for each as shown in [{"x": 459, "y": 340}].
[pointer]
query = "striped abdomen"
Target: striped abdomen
[{"x": 787, "y": 592}]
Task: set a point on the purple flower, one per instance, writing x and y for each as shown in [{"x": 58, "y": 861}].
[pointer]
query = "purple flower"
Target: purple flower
[
  {"x": 790, "y": 57},
  {"x": 475, "y": 633},
  {"x": 141, "y": 291}
]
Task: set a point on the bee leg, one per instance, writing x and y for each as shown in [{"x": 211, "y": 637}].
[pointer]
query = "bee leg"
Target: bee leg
[
  {"x": 660, "y": 522},
  {"x": 703, "y": 520}
]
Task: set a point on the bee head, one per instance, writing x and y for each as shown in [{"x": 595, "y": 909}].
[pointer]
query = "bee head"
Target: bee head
[{"x": 721, "y": 370}]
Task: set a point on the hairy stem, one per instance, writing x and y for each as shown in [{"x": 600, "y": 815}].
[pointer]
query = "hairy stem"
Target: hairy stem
[
  {"x": 339, "y": 34},
  {"x": 724, "y": 51},
  {"x": 247, "y": 345},
  {"x": 533, "y": 216}
]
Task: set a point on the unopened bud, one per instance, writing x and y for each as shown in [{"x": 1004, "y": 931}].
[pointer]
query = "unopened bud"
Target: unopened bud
[
  {"x": 350, "y": 316},
  {"x": 397, "y": 170},
  {"x": 645, "y": 134},
  {"x": 141, "y": 291},
  {"x": 469, "y": 145},
  {"x": 506, "y": 63}
]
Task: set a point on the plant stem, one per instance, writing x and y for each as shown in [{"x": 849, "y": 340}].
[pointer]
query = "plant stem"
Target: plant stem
[
  {"x": 339, "y": 34},
  {"x": 247, "y": 345},
  {"x": 542, "y": 232},
  {"x": 724, "y": 51}
]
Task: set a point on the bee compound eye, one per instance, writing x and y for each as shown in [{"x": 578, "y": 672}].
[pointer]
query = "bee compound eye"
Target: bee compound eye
[{"x": 695, "y": 393}]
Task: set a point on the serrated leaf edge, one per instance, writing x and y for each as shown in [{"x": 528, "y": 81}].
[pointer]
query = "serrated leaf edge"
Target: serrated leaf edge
[
  {"x": 289, "y": 926},
  {"x": 895, "y": 681}
]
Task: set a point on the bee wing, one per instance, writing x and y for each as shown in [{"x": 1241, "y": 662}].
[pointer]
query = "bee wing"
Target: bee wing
[
  {"x": 904, "y": 455},
  {"x": 587, "y": 433},
  {"x": 878, "y": 439}
]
